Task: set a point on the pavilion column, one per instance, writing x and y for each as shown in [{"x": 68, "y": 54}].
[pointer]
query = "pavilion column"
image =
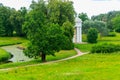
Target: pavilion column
[
  {"x": 78, "y": 31},
  {"x": 78, "y": 34}
]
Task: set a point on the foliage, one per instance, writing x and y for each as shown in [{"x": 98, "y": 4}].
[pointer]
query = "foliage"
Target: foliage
[
  {"x": 99, "y": 25},
  {"x": 83, "y": 16},
  {"x": 105, "y": 48},
  {"x": 107, "y": 18},
  {"x": 6, "y": 28},
  {"x": 59, "y": 10},
  {"x": 116, "y": 23},
  {"x": 92, "y": 35},
  {"x": 4, "y": 56},
  {"x": 11, "y": 20},
  {"x": 44, "y": 29},
  {"x": 100, "y": 17},
  {"x": 117, "y": 29},
  {"x": 17, "y": 19},
  {"x": 68, "y": 31}
]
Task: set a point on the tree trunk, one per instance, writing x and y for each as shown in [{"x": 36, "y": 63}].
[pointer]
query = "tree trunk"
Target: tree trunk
[{"x": 43, "y": 57}]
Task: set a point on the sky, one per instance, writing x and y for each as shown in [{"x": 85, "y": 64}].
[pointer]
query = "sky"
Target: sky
[{"x": 91, "y": 7}]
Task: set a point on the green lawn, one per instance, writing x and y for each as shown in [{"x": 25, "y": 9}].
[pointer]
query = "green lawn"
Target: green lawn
[
  {"x": 87, "y": 46},
  {"x": 59, "y": 55},
  {"x": 4, "y": 41},
  {"x": 86, "y": 67}
]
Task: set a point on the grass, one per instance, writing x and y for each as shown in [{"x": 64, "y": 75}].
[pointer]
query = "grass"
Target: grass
[
  {"x": 60, "y": 55},
  {"x": 4, "y": 56},
  {"x": 87, "y": 46},
  {"x": 87, "y": 67},
  {"x": 4, "y": 41}
]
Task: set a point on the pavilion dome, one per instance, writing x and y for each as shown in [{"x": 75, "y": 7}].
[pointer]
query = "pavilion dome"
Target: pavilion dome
[{"x": 78, "y": 20}]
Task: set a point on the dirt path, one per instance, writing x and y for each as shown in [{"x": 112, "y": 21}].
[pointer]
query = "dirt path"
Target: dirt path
[
  {"x": 18, "y": 55},
  {"x": 79, "y": 53}
]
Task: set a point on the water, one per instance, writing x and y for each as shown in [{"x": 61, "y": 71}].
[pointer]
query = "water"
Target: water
[{"x": 18, "y": 55}]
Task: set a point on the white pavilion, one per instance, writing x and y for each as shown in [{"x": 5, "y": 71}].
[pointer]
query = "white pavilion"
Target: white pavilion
[{"x": 78, "y": 31}]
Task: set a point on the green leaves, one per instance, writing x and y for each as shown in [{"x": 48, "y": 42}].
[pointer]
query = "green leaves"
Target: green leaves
[
  {"x": 49, "y": 27},
  {"x": 92, "y": 35},
  {"x": 116, "y": 23}
]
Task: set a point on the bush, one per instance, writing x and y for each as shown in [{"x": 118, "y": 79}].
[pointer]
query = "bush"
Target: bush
[
  {"x": 112, "y": 34},
  {"x": 117, "y": 29},
  {"x": 105, "y": 48},
  {"x": 92, "y": 35},
  {"x": 68, "y": 45}
]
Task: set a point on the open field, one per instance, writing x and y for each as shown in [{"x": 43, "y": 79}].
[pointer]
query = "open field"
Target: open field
[{"x": 87, "y": 67}]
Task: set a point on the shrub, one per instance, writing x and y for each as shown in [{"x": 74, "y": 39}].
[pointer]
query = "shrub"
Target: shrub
[
  {"x": 117, "y": 29},
  {"x": 92, "y": 35},
  {"x": 112, "y": 34},
  {"x": 68, "y": 45},
  {"x": 105, "y": 48}
]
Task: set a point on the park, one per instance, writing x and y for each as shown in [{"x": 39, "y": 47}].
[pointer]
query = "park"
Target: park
[{"x": 50, "y": 41}]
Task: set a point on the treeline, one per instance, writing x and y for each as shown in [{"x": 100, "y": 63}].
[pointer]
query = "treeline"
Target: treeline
[
  {"x": 104, "y": 23},
  {"x": 11, "y": 21},
  {"x": 109, "y": 18}
]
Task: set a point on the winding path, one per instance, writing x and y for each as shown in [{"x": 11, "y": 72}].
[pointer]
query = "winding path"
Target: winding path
[
  {"x": 79, "y": 53},
  {"x": 18, "y": 54}
]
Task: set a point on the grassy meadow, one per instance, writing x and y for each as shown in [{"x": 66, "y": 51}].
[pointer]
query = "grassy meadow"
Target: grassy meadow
[
  {"x": 86, "y": 47},
  {"x": 5, "y": 41},
  {"x": 86, "y": 67}
]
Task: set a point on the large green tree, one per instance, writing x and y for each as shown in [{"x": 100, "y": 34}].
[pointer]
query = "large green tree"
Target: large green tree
[
  {"x": 61, "y": 11},
  {"x": 116, "y": 23},
  {"x": 17, "y": 19},
  {"x": 6, "y": 28},
  {"x": 44, "y": 31}
]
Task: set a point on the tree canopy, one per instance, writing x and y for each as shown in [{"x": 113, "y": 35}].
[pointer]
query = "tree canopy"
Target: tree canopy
[
  {"x": 116, "y": 23},
  {"x": 11, "y": 20},
  {"x": 107, "y": 17},
  {"x": 46, "y": 25},
  {"x": 83, "y": 16}
]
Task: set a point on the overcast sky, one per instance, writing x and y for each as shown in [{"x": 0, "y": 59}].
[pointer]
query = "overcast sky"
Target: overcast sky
[{"x": 91, "y": 7}]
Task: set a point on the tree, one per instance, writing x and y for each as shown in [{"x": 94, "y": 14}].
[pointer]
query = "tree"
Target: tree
[
  {"x": 107, "y": 18},
  {"x": 99, "y": 25},
  {"x": 58, "y": 11},
  {"x": 69, "y": 32},
  {"x": 62, "y": 12},
  {"x": 92, "y": 35},
  {"x": 116, "y": 23},
  {"x": 45, "y": 36},
  {"x": 83, "y": 16},
  {"x": 100, "y": 17},
  {"x": 5, "y": 25}
]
